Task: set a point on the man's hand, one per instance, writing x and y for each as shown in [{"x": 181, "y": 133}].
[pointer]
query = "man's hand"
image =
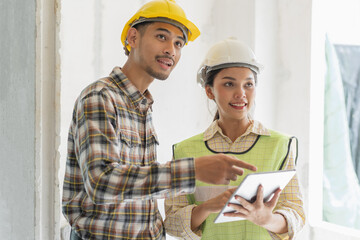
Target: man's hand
[{"x": 220, "y": 168}]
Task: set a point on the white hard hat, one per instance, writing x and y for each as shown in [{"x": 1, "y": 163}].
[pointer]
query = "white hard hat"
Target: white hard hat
[{"x": 228, "y": 53}]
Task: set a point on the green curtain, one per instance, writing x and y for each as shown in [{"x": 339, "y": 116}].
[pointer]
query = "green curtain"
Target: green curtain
[{"x": 341, "y": 189}]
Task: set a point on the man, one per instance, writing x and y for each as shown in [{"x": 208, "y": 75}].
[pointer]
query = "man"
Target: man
[{"x": 112, "y": 179}]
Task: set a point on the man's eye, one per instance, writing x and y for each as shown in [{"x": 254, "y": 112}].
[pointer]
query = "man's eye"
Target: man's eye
[
  {"x": 160, "y": 36},
  {"x": 179, "y": 44}
]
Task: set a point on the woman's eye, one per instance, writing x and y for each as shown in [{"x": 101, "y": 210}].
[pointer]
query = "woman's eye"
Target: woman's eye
[
  {"x": 249, "y": 84},
  {"x": 228, "y": 84}
]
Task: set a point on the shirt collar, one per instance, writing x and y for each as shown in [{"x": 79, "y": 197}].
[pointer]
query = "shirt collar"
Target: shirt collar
[
  {"x": 139, "y": 100},
  {"x": 255, "y": 127}
]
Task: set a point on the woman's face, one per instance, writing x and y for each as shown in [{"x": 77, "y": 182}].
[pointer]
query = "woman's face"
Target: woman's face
[{"x": 234, "y": 92}]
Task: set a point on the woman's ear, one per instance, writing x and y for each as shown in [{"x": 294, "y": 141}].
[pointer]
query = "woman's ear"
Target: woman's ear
[{"x": 209, "y": 92}]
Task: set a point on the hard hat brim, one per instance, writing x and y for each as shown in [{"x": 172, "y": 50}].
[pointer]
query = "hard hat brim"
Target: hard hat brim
[
  {"x": 204, "y": 70},
  {"x": 192, "y": 31}
]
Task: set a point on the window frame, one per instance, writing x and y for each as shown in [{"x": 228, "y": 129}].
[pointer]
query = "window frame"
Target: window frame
[{"x": 316, "y": 131}]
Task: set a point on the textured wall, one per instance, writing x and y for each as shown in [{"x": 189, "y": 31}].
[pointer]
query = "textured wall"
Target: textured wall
[
  {"x": 17, "y": 114},
  {"x": 91, "y": 47},
  {"x": 278, "y": 30}
]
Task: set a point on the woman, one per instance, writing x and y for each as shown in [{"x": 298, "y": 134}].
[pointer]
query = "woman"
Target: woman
[{"x": 229, "y": 76}]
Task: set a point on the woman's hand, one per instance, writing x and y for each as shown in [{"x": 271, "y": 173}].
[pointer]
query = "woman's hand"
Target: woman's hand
[
  {"x": 214, "y": 205},
  {"x": 260, "y": 212}
]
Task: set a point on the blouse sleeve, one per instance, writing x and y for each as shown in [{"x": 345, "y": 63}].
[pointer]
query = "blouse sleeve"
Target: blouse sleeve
[
  {"x": 178, "y": 212},
  {"x": 290, "y": 203}
]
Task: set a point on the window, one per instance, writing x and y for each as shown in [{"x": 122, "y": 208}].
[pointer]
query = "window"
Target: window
[
  {"x": 334, "y": 187},
  {"x": 341, "y": 189}
]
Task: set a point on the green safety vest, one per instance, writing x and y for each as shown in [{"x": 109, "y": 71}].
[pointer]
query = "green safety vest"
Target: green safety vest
[{"x": 268, "y": 153}]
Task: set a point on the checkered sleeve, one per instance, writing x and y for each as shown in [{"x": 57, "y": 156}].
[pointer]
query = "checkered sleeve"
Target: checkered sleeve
[
  {"x": 178, "y": 218},
  {"x": 106, "y": 178},
  {"x": 290, "y": 203}
]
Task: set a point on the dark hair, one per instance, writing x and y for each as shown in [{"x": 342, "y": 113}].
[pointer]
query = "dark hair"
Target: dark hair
[
  {"x": 210, "y": 76},
  {"x": 209, "y": 81},
  {"x": 141, "y": 27}
]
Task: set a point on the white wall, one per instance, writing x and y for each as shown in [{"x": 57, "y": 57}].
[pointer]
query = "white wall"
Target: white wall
[
  {"x": 29, "y": 197},
  {"x": 285, "y": 34},
  {"x": 279, "y": 31},
  {"x": 91, "y": 47},
  {"x": 17, "y": 119},
  {"x": 342, "y": 21}
]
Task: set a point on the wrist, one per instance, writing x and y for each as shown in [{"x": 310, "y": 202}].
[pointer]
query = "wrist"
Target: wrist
[
  {"x": 198, "y": 216},
  {"x": 276, "y": 223},
  {"x": 268, "y": 221},
  {"x": 202, "y": 210}
]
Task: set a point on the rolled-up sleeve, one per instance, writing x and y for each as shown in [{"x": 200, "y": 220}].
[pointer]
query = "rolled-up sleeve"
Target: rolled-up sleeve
[{"x": 178, "y": 212}]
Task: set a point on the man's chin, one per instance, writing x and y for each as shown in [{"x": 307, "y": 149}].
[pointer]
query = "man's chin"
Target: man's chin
[
  {"x": 162, "y": 78},
  {"x": 158, "y": 75}
]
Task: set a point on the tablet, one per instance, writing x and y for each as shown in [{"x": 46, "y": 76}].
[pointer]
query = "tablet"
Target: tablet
[{"x": 249, "y": 186}]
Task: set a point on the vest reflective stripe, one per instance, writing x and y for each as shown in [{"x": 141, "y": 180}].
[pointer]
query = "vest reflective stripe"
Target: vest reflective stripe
[{"x": 268, "y": 153}]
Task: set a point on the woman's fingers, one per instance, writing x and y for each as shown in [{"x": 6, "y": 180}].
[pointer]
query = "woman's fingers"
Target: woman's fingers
[
  {"x": 239, "y": 209},
  {"x": 260, "y": 194},
  {"x": 275, "y": 198},
  {"x": 235, "y": 214}
]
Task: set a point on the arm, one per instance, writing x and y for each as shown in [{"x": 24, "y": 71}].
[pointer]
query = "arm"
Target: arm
[
  {"x": 106, "y": 178},
  {"x": 184, "y": 220},
  {"x": 290, "y": 206},
  {"x": 178, "y": 213},
  {"x": 214, "y": 205}
]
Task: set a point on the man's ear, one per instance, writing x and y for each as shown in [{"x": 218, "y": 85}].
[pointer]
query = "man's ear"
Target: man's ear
[
  {"x": 132, "y": 36},
  {"x": 209, "y": 92}
]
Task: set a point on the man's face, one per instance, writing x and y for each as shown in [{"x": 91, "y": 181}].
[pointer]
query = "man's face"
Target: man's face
[{"x": 159, "y": 49}]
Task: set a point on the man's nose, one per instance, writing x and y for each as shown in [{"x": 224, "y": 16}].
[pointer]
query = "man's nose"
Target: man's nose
[{"x": 170, "y": 49}]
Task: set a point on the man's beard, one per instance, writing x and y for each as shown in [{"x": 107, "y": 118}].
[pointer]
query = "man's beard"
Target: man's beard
[{"x": 157, "y": 75}]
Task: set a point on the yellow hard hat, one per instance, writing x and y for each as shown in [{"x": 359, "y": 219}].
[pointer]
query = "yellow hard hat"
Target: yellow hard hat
[{"x": 162, "y": 11}]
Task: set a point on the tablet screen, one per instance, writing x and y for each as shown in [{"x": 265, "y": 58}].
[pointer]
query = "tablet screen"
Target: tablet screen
[{"x": 249, "y": 186}]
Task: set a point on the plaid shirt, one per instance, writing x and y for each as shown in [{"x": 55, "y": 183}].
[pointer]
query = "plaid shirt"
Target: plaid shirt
[
  {"x": 112, "y": 176},
  {"x": 290, "y": 204}
]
